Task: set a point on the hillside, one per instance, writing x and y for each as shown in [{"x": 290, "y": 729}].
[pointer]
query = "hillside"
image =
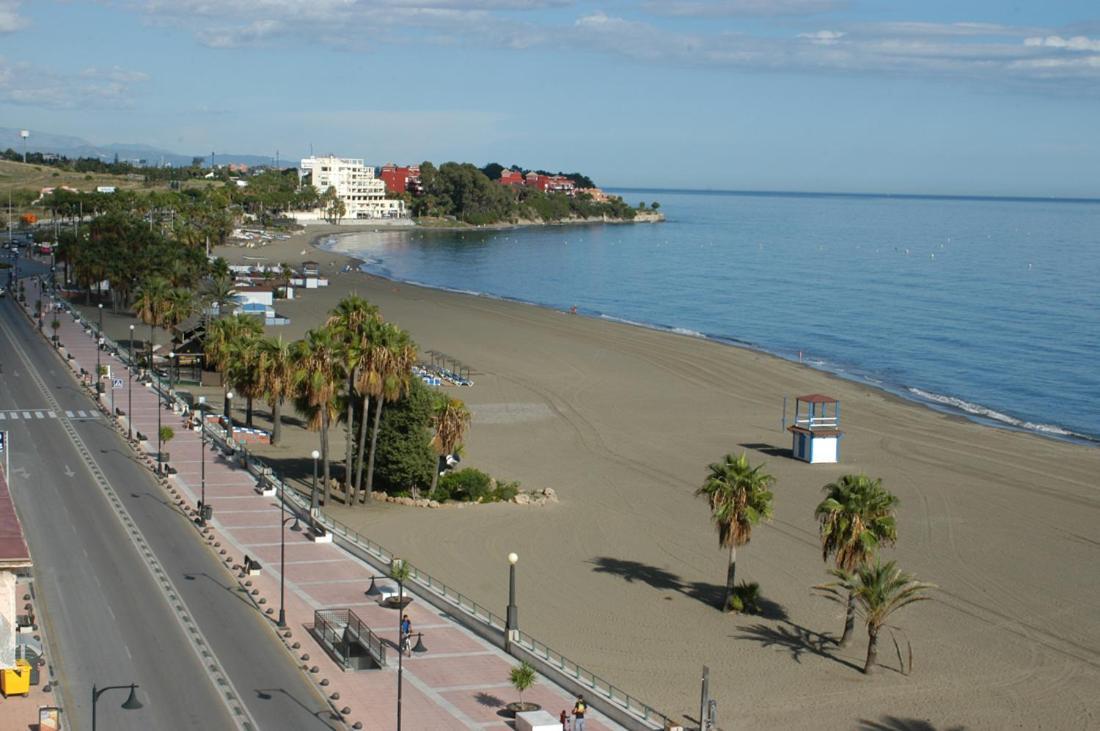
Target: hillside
[{"x": 17, "y": 176}]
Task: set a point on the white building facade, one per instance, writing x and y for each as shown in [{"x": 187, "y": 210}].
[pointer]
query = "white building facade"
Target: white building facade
[{"x": 363, "y": 194}]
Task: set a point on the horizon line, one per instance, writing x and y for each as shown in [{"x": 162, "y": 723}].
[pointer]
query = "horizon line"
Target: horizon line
[{"x": 852, "y": 194}]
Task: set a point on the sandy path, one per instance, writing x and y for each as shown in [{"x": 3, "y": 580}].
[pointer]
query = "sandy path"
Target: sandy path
[{"x": 622, "y": 421}]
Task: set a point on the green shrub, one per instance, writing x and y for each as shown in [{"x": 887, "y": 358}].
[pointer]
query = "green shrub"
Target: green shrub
[
  {"x": 467, "y": 485},
  {"x": 504, "y": 492},
  {"x": 746, "y": 598}
]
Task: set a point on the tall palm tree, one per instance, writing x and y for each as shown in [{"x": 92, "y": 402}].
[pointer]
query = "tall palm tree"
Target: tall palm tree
[
  {"x": 151, "y": 299},
  {"x": 317, "y": 376},
  {"x": 351, "y": 319},
  {"x": 880, "y": 589},
  {"x": 222, "y": 337},
  {"x": 394, "y": 357},
  {"x": 244, "y": 369},
  {"x": 275, "y": 366},
  {"x": 450, "y": 421},
  {"x": 739, "y": 498},
  {"x": 856, "y": 517},
  {"x": 179, "y": 304}
]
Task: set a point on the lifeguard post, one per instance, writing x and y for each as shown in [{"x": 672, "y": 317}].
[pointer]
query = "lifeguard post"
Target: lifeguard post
[{"x": 815, "y": 433}]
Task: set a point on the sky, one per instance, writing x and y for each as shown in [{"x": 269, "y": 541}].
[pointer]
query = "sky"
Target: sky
[{"x": 995, "y": 97}]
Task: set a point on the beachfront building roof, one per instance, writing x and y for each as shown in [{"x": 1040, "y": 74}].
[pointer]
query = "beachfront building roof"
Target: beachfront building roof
[
  {"x": 363, "y": 194},
  {"x": 815, "y": 433},
  {"x": 400, "y": 179}
]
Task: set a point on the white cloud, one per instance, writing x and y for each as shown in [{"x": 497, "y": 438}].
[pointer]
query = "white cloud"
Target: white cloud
[
  {"x": 1076, "y": 43},
  {"x": 824, "y": 37},
  {"x": 10, "y": 20},
  {"x": 34, "y": 85},
  {"x": 987, "y": 53},
  {"x": 759, "y": 8}
]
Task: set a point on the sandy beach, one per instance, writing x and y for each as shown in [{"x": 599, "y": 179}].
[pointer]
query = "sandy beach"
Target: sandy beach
[{"x": 622, "y": 574}]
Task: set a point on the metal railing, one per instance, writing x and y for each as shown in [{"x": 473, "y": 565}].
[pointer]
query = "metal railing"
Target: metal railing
[
  {"x": 331, "y": 626},
  {"x": 299, "y": 504}
]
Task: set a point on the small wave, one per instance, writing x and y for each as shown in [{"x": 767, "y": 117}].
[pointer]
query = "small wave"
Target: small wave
[
  {"x": 625, "y": 321},
  {"x": 994, "y": 415},
  {"x": 686, "y": 331}
]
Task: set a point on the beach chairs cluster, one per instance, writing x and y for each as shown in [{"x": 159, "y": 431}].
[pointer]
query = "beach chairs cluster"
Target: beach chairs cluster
[{"x": 437, "y": 376}]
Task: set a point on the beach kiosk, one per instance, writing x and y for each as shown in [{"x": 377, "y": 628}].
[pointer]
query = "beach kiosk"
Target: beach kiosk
[{"x": 815, "y": 433}]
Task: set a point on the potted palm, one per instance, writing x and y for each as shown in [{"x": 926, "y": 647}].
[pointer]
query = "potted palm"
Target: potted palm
[
  {"x": 399, "y": 572},
  {"x": 522, "y": 677},
  {"x": 54, "y": 325},
  {"x": 166, "y": 433}
]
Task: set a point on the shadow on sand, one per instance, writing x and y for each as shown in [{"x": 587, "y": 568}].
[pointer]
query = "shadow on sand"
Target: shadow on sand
[
  {"x": 769, "y": 449},
  {"x": 796, "y": 640},
  {"x": 701, "y": 591},
  {"x": 895, "y": 723}
]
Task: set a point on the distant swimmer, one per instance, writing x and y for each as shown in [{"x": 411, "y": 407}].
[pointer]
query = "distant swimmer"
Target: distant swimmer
[{"x": 573, "y": 310}]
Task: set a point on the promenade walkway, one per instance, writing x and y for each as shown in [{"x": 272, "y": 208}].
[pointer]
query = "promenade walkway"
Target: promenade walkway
[{"x": 462, "y": 681}]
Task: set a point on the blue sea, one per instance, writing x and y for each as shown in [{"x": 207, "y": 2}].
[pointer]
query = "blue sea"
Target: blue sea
[{"x": 984, "y": 307}]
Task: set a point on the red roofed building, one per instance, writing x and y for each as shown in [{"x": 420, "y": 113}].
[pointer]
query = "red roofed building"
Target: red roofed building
[
  {"x": 401, "y": 179},
  {"x": 511, "y": 177}
]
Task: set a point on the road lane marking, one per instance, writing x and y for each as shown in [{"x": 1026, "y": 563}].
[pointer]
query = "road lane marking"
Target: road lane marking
[
  {"x": 39, "y": 415},
  {"x": 26, "y": 414},
  {"x": 68, "y": 413},
  {"x": 223, "y": 686}
]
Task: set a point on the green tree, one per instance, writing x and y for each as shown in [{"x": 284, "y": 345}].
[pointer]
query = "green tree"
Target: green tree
[
  {"x": 222, "y": 338},
  {"x": 855, "y": 518},
  {"x": 275, "y": 366},
  {"x": 404, "y": 457},
  {"x": 318, "y": 375},
  {"x": 739, "y": 498},
  {"x": 880, "y": 589},
  {"x": 450, "y": 421},
  {"x": 522, "y": 677},
  {"x": 352, "y": 321},
  {"x": 392, "y": 359}
]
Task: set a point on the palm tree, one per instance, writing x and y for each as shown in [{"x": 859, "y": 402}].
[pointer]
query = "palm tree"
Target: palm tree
[
  {"x": 317, "y": 375},
  {"x": 244, "y": 371},
  {"x": 179, "y": 304},
  {"x": 351, "y": 320},
  {"x": 222, "y": 336},
  {"x": 218, "y": 293},
  {"x": 739, "y": 499},
  {"x": 880, "y": 589},
  {"x": 149, "y": 305},
  {"x": 856, "y": 517},
  {"x": 450, "y": 421},
  {"x": 393, "y": 359},
  {"x": 275, "y": 366}
]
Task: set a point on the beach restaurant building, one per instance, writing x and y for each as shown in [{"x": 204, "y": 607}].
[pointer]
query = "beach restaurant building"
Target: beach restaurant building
[{"x": 363, "y": 194}]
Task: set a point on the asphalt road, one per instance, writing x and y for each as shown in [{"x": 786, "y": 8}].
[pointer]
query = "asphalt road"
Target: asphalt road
[{"x": 106, "y": 614}]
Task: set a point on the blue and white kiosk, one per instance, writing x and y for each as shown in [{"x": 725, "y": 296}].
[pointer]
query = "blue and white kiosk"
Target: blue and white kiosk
[{"x": 815, "y": 433}]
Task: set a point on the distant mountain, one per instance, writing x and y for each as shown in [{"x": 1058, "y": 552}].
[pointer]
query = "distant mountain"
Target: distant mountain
[{"x": 78, "y": 147}]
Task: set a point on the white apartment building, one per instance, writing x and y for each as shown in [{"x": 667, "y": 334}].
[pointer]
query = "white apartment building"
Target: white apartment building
[{"x": 363, "y": 194}]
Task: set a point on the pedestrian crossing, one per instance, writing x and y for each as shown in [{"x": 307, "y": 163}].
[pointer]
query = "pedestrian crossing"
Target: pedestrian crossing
[{"x": 34, "y": 414}]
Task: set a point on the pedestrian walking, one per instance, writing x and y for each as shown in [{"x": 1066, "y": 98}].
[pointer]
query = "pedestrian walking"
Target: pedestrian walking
[
  {"x": 406, "y": 635},
  {"x": 579, "y": 709},
  {"x": 566, "y": 722}
]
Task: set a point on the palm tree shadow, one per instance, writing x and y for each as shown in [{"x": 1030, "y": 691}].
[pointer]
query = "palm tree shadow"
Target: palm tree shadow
[
  {"x": 896, "y": 723},
  {"x": 701, "y": 591},
  {"x": 488, "y": 699},
  {"x": 798, "y": 641}
]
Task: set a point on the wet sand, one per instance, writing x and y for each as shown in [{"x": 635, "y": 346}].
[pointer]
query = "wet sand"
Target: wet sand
[{"x": 623, "y": 573}]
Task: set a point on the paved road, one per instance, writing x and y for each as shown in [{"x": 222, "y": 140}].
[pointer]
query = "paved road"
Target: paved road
[{"x": 107, "y": 614}]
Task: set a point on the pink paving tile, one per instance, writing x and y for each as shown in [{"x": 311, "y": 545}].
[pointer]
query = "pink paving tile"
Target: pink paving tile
[
  {"x": 300, "y": 550},
  {"x": 464, "y": 670},
  {"x": 322, "y": 571}
]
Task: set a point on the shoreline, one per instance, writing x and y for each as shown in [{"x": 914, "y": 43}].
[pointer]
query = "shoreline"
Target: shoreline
[
  {"x": 947, "y": 404},
  {"x": 621, "y": 422}
]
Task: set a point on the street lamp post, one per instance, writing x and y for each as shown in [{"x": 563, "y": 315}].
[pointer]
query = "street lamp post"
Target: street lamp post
[
  {"x": 512, "y": 618},
  {"x": 229, "y": 413},
  {"x": 171, "y": 360},
  {"x": 313, "y": 491},
  {"x": 99, "y": 347},
  {"x": 282, "y": 550},
  {"x": 157, "y": 389},
  {"x": 202, "y": 459},
  {"x": 131, "y": 704},
  {"x": 130, "y": 387}
]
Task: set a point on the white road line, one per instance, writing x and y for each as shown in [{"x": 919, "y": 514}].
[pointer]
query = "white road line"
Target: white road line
[
  {"x": 52, "y": 414},
  {"x": 26, "y": 414},
  {"x": 68, "y": 413},
  {"x": 39, "y": 415},
  {"x": 81, "y": 414},
  {"x": 2, "y": 416}
]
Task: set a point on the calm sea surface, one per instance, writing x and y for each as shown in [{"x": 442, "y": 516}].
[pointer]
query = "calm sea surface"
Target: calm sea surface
[{"x": 985, "y": 307}]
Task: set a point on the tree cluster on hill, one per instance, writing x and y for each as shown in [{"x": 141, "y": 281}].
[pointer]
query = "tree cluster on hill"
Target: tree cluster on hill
[{"x": 465, "y": 192}]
